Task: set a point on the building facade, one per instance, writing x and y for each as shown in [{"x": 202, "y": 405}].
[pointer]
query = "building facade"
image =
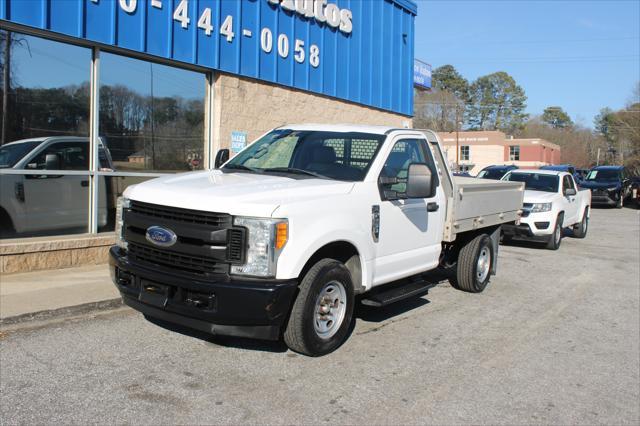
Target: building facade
[
  {"x": 115, "y": 92},
  {"x": 477, "y": 150}
]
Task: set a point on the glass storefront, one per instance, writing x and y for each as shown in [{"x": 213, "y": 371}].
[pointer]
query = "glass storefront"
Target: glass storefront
[{"x": 149, "y": 119}]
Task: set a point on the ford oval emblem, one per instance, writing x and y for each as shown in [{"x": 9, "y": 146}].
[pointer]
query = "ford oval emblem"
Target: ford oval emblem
[{"x": 161, "y": 236}]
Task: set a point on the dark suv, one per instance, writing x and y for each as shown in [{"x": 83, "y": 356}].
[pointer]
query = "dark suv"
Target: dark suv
[
  {"x": 609, "y": 185},
  {"x": 495, "y": 172}
]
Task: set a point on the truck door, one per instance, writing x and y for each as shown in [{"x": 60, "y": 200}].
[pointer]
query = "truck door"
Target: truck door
[
  {"x": 570, "y": 201},
  {"x": 53, "y": 201},
  {"x": 410, "y": 234}
]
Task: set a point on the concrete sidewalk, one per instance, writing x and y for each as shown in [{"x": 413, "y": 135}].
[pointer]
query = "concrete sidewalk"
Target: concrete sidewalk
[{"x": 29, "y": 294}]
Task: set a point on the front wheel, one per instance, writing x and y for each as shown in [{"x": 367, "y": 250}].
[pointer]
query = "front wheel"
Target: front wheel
[
  {"x": 580, "y": 230},
  {"x": 620, "y": 202},
  {"x": 556, "y": 238},
  {"x": 321, "y": 315},
  {"x": 474, "y": 265}
]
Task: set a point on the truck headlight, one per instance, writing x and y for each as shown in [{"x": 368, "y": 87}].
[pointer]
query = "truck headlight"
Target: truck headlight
[
  {"x": 541, "y": 207},
  {"x": 266, "y": 239},
  {"x": 121, "y": 204}
]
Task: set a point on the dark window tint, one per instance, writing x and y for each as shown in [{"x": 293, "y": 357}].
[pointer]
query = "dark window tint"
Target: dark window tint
[{"x": 536, "y": 181}]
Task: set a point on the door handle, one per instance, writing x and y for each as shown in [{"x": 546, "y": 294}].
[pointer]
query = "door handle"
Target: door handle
[
  {"x": 433, "y": 207},
  {"x": 84, "y": 183}
]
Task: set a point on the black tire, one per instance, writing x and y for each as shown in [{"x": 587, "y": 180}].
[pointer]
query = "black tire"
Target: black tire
[
  {"x": 470, "y": 275},
  {"x": 580, "y": 229},
  {"x": 301, "y": 333},
  {"x": 556, "y": 238},
  {"x": 620, "y": 202}
]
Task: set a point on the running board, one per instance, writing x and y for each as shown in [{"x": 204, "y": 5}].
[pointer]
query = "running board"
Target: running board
[{"x": 397, "y": 293}]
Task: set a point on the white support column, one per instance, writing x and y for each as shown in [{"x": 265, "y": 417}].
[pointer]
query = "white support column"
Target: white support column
[
  {"x": 211, "y": 147},
  {"x": 94, "y": 129}
]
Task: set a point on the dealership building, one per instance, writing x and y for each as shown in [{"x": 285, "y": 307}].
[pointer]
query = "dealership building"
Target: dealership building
[
  {"x": 115, "y": 92},
  {"x": 477, "y": 150}
]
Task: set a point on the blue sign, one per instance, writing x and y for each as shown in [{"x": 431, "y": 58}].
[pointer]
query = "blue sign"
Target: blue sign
[
  {"x": 238, "y": 141},
  {"x": 357, "y": 50},
  {"x": 421, "y": 74}
]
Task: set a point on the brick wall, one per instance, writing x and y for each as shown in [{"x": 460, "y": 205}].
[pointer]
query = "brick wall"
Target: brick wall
[{"x": 256, "y": 107}]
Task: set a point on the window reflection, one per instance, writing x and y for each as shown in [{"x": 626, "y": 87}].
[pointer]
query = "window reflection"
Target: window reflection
[{"x": 151, "y": 115}]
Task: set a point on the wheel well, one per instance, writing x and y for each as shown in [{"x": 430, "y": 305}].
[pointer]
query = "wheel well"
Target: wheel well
[
  {"x": 5, "y": 221},
  {"x": 343, "y": 252},
  {"x": 5, "y": 218}
]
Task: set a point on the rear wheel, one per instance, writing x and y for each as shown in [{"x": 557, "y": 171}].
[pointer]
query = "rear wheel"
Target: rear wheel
[
  {"x": 580, "y": 229},
  {"x": 556, "y": 238},
  {"x": 322, "y": 312},
  {"x": 474, "y": 265}
]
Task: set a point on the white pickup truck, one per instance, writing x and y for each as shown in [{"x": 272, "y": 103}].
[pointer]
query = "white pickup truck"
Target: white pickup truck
[
  {"x": 552, "y": 202},
  {"x": 282, "y": 238},
  {"x": 45, "y": 203}
]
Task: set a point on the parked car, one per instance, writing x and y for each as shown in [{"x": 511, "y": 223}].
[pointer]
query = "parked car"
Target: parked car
[
  {"x": 609, "y": 185},
  {"x": 33, "y": 204},
  {"x": 582, "y": 173},
  {"x": 635, "y": 190},
  {"x": 495, "y": 172},
  {"x": 552, "y": 202},
  {"x": 564, "y": 168},
  {"x": 286, "y": 234}
]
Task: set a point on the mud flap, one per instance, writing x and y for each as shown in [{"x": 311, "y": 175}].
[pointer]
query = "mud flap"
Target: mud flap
[{"x": 495, "y": 243}]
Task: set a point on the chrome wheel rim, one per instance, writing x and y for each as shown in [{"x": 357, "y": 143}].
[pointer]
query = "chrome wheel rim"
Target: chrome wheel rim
[
  {"x": 484, "y": 264},
  {"x": 330, "y": 309}
]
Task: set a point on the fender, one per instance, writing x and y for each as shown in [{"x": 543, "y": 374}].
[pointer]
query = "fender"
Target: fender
[{"x": 305, "y": 243}]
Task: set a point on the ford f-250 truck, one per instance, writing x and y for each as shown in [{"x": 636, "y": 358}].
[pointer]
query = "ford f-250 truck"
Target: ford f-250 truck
[
  {"x": 552, "y": 202},
  {"x": 281, "y": 239}
]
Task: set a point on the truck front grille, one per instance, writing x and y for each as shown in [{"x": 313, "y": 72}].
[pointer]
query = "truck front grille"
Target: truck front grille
[
  {"x": 193, "y": 264},
  {"x": 207, "y": 243}
]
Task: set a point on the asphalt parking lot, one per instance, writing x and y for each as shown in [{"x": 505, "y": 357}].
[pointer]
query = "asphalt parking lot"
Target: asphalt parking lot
[{"x": 553, "y": 339}]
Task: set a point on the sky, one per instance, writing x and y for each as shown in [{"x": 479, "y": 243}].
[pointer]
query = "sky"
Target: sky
[{"x": 580, "y": 55}]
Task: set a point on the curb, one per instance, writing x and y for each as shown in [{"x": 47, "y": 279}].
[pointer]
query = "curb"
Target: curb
[{"x": 84, "y": 308}]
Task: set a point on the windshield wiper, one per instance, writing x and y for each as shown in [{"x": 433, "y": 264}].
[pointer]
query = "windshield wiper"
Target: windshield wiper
[
  {"x": 295, "y": 171},
  {"x": 242, "y": 167}
]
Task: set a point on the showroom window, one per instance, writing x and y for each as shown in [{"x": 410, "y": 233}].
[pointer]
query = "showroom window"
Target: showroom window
[
  {"x": 148, "y": 120},
  {"x": 53, "y": 106},
  {"x": 151, "y": 115}
]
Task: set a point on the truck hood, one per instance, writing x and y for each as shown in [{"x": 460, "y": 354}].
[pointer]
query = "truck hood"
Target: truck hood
[
  {"x": 238, "y": 193},
  {"x": 592, "y": 184},
  {"x": 539, "y": 196}
]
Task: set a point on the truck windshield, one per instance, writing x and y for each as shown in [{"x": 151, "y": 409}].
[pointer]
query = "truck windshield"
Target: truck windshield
[
  {"x": 535, "y": 181},
  {"x": 343, "y": 156},
  {"x": 603, "y": 176},
  {"x": 12, "y": 153}
]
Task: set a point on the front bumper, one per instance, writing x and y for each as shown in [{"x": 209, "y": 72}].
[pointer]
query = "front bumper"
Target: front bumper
[
  {"x": 255, "y": 308},
  {"x": 604, "y": 200},
  {"x": 524, "y": 230}
]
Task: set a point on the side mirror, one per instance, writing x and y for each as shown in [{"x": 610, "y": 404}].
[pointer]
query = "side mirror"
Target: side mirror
[
  {"x": 221, "y": 157},
  {"x": 420, "y": 181},
  {"x": 570, "y": 191},
  {"x": 52, "y": 162}
]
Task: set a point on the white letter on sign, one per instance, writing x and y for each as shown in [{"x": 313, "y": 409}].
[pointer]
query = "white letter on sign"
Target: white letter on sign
[{"x": 129, "y": 6}]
